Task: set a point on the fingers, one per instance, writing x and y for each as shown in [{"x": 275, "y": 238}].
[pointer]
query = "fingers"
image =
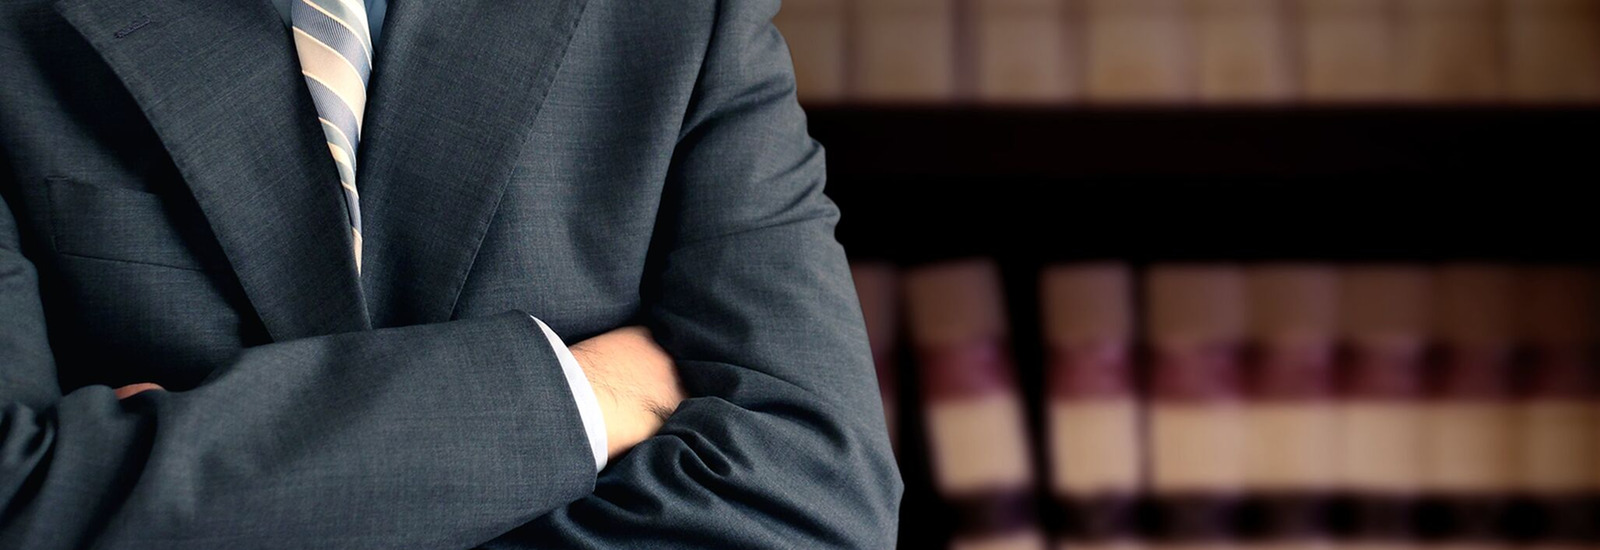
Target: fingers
[{"x": 135, "y": 389}]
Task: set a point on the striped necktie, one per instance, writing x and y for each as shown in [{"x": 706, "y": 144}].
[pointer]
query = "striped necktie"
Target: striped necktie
[{"x": 335, "y": 49}]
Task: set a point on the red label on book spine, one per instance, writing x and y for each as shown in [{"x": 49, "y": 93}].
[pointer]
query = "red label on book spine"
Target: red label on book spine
[
  {"x": 1471, "y": 372},
  {"x": 1091, "y": 370},
  {"x": 968, "y": 370},
  {"x": 1556, "y": 373},
  {"x": 1197, "y": 373},
  {"x": 1393, "y": 373},
  {"x": 1292, "y": 372}
]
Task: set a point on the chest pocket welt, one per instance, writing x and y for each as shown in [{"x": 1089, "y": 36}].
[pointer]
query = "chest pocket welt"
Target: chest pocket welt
[{"x": 122, "y": 225}]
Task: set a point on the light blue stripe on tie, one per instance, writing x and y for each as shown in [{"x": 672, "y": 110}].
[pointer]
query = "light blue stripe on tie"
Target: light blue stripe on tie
[
  {"x": 336, "y": 37},
  {"x": 352, "y": 205},
  {"x": 337, "y": 137},
  {"x": 331, "y": 107},
  {"x": 357, "y": 23}
]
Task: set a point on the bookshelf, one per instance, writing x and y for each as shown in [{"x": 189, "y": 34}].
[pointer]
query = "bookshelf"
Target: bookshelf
[{"x": 1035, "y": 186}]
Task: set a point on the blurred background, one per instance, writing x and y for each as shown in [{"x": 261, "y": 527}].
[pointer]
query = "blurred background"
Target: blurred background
[{"x": 1223, "y": 273}]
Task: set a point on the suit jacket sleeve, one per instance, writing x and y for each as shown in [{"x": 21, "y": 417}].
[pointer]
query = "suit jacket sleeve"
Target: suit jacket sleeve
[
  {"x": 434, "y": 436},
  {"x": 783, "y": 443}
]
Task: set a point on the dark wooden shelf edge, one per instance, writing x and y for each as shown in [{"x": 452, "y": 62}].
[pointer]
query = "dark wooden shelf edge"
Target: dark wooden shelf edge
[
  {"x": 1162, "y": 184},
  {"x": 1141, "y": 141}
]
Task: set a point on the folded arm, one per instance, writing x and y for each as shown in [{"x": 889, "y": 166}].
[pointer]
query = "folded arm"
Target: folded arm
[
  {"x": 431, "y": 436},
  {"x": 781, "y": 443}
]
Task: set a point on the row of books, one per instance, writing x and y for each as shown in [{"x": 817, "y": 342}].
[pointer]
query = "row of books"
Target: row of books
[
  {"x": 1221, "y": 404},
  {"x": 1177, "y": 51}
]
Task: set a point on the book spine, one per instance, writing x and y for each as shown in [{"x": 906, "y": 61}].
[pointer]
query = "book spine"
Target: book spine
[
  {"x": 1384, "y": 318},
  {"x": 1026, "y": 51},
  {"x": 877, "y": 286},
  {"x": 1553, "y": 50},
  {"x": 1291, "y": 455},
  {"x": 1196, "y": 434},
  {"x": 1451, "y": 51},
  {"x": 1246, "y": 52},
  {"x": 816, "y": 31},
  {"x": 904, "y": 50},
  {"x": 1557, "y": 417},
  {"x": 1139, "y": 51},
  {"x": 977, "y": 432},
  {"x": 1347, "y": 50},
  {"x": 1093, "y": 421},
  {"x": 1469, "y": 424}
]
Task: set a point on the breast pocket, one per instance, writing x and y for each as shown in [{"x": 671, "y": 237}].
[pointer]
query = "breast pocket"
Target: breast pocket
[{"x": 124, "y": 225}]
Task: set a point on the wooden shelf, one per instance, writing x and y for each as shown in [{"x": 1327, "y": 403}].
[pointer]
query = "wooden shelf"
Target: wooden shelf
[
  {"x": 1072, "y": 143},
  {"x": 1249, "y": 183}
]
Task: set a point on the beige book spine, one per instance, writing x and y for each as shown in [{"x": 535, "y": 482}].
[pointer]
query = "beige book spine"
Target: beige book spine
[
  {"x": 1139, "y": 51},
  {"x": 904, "y": 50},
  {"x": 1470, "y": 421},
  {"x": 1245, "y": 50},
  {"x": 1290, "y": 416},
  {"x": 1197, "y": 436},
  {"x": 1027, "y": 51},
  {"x": 1553, "y": 50},
  {"x": 1093, "y": 410},
  {"x": 1347, "y": 50},
  {"x": 976, "y": 424},
  {"x": 815, "y": 31},
  {"x": 1558, "y": 418},
  {"x": 1384, "y": 313},
  {"x": 1451, "y": 50}
]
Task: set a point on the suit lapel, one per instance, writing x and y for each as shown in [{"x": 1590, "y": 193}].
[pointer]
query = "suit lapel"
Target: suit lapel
[
  {"x": 453, "y": 97},
  {"x": 219, "y": 81}
]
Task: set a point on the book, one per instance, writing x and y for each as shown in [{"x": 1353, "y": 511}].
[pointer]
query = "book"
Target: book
[
  {"x": 1026, "y": 51},
  {"x": 1469, "y": 423},
  {"x": 1195, "y": 330},
  {"x": 1450, "y": 50},
  {"x": 977, "y": 433},
  {"x": 1092, "y": 418},
  {"x": 815, "y": 31},
  {"x": 1553, "y": 50},
  {"x": 878, "y": 288},
  {"x": 903, "y": 50},
  {"x": 1558, "y": 419},
  {"x": 1347, "y": 50},
  {"x": 1244, "y": 50},
  {"x": 1384, "y": 326},
  {"x": 1139, "y": 51},
  {"x": 1290, "y": 460}
]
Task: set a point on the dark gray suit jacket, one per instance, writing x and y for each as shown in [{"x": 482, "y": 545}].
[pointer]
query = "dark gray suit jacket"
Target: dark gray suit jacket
[{"x": 171, "y": 215}]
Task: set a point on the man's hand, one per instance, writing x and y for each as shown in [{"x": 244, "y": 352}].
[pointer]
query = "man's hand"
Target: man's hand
[{"x": 634, "y": 380}]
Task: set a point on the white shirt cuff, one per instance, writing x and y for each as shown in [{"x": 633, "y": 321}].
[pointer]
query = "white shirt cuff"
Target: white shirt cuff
[{"x": 588, "y": 405}]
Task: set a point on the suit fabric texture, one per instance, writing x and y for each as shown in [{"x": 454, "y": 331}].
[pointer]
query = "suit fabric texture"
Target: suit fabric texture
[{"x": 168, "y": 216}]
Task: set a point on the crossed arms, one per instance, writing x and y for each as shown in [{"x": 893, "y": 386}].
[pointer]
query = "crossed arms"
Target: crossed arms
[{"x": 441, "y": 435}]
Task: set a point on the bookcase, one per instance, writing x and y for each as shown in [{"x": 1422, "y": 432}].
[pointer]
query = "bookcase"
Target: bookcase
[
  {"x": 1032, "y": 186},
  {"x": 1311, "y": 228}
]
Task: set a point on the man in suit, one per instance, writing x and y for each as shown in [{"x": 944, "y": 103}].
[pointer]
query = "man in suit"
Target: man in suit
[{"x": 328, "y": 252}]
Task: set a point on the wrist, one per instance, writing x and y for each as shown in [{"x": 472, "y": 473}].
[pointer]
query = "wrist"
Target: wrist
[
  {"x": 605, "y": 395},
  {"x": 584, "y": 396}
]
